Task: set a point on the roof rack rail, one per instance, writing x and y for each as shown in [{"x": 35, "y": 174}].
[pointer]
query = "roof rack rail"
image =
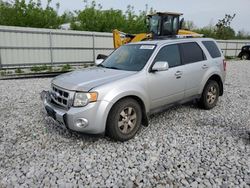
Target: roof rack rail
[
  {"x": 190, "y": 36},
  {"x": 177, "y": 37}
]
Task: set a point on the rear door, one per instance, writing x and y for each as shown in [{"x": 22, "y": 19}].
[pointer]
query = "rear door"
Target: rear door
[
  {"x": 166, "y": 87},
  {"x": 195, "y": 66}
]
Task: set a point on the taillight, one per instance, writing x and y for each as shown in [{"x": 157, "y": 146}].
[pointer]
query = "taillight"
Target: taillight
[{"x": 224, "y": 64}]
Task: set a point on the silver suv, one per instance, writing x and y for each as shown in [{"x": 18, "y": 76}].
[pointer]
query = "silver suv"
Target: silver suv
[{"x": 138, "y": 79}]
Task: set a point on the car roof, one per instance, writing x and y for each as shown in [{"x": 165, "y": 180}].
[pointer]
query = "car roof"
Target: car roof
[{"x": 171, "y": 41}]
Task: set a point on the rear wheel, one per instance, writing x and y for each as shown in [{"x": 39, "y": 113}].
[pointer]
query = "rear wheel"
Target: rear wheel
[
  {"x": 124, "y": 120},
  {"x": 245, "y": 56},
  {"x": 210, "y": 95}
]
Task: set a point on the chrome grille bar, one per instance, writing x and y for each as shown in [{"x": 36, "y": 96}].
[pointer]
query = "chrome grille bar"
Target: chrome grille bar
[{"x": 60, "y": 96}]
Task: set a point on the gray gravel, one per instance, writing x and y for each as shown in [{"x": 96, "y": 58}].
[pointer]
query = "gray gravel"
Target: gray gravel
[{"x": 183, "y": 146}]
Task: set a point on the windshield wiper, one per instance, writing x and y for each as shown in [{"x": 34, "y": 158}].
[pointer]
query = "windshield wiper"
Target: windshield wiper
[
  {"x": 111, "y": 67},
  {"x": 101, "y": 65}
]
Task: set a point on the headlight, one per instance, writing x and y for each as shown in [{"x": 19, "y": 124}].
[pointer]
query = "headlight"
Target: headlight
[{"x": 82, "y": 99}]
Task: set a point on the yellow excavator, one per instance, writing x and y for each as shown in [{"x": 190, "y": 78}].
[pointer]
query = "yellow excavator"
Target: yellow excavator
[{"x": 161, "y": 25}]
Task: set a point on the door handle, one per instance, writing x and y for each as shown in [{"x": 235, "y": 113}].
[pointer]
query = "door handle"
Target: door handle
[
  {"x": 204, "y": 66},
  {"x": 178, "y": 74}
]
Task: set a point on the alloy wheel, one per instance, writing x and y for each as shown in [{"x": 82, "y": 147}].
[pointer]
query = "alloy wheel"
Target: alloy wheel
[
  {"x": 127, "y": 120},
  {"x": 211, "y": 95}
]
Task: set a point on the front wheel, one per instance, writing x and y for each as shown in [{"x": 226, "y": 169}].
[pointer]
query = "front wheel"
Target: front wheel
[
  {"x": 124, "y": 120},
  {"x": 210, "y": 95},
  {"x": 245, "y": 56}
]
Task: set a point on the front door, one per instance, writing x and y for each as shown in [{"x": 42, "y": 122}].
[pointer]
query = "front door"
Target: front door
[{"x": 166, "y": 87}]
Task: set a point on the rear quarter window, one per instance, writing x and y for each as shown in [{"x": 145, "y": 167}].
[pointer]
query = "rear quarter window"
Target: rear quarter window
[
  {"x": 212, "y": 48},
  {"x": 192, "y": 52}
]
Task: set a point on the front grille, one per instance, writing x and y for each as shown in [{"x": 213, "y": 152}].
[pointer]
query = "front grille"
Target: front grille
[{"x": 60, "y": 96}]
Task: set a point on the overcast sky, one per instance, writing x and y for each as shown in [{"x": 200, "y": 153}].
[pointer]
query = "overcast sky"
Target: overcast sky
[{"x": 201, "y": 12}]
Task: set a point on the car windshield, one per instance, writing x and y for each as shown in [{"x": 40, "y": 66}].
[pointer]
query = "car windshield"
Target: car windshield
[{"x": 129, "y": 57}]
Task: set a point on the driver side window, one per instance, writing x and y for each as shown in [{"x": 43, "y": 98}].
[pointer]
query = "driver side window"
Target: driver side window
[{"x": 171, "y": 54}]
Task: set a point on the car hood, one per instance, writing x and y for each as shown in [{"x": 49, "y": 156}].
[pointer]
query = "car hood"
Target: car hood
[{"x": 86, "y": 79}]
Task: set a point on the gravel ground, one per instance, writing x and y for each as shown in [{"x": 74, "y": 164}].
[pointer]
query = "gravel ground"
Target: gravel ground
[{"x": 183, "y": 146}]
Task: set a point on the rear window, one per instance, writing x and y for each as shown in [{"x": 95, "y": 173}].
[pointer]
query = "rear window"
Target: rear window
[
  {"x": 192, "y": 53},
  {"x": 212, "y": 48}
]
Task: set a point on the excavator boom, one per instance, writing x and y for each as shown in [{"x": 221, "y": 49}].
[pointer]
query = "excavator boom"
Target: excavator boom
[{"x": 120, "y": 38}]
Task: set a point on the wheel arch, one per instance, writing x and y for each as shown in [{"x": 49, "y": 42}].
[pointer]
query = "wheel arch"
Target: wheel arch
[
  {"x": 245, "y": 53},
  {"x": 140, "y": 102},
  {"x": 218, "y": 79}
]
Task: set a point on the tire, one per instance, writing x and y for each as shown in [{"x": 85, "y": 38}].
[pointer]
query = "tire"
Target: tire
[
  {"x": 124, "y": 120},
  {"x": 210, "y": 95},
  {"x": 245, "y": 56}
]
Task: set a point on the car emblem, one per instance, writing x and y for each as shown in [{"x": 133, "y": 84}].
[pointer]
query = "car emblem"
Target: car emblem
[{"x": 55, "y": 94}]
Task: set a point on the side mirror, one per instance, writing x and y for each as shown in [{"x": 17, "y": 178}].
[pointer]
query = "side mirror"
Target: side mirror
[
  {"x": 100, "y": 58},
  {"x": 98, "y": 61},
  {"x": 160, "y": 66}
]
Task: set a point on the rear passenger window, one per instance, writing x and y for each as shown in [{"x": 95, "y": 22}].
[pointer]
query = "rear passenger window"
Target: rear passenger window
[
  {"x": 171, "y": 54},
  {"x": 191, "y": 53},
  {"x": 212, "y": 49}
]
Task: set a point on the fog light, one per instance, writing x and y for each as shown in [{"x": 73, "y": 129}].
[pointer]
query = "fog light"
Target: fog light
[{"x": 81, "y": 123}]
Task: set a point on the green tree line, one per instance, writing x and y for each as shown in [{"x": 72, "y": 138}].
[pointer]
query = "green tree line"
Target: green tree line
[
  {"x": 94, "y": 18},
  {"x": 31, "y": 14}
]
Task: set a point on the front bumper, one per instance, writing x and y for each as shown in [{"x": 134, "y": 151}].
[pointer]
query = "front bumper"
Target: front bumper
[{"x": 95, "y": 113}]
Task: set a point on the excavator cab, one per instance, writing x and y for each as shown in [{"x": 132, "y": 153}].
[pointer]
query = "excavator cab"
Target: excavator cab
[
  {"x": 160, "y": 25},
  {"x": 164, "y": 24}
]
